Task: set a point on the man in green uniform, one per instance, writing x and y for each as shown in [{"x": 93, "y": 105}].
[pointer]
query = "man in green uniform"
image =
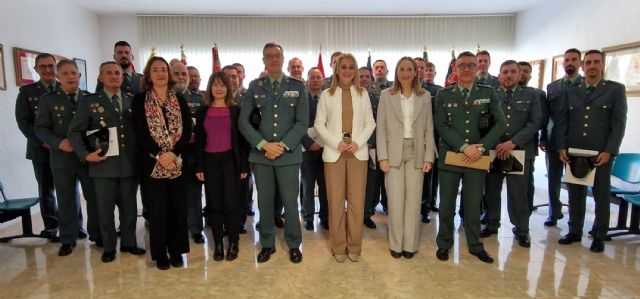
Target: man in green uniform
[
  {"x": 114, "y": 176},
  {"x": 275, "y": 148},
  {"x": 123, "y": 55},
  {"x": 483, "y": 76},
  {"x": 462, "y": 110},
  {"x": 592, "y": 116},
  {"x": 56, "y": 110},
  {"x": 521, "y": 106}
]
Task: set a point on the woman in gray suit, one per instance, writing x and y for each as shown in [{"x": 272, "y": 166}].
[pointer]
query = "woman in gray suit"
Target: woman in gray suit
[{"x": 405, "y": 150}]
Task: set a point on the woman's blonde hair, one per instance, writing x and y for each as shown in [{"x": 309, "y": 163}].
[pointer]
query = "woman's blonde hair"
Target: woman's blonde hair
[
  {"x": 415, "y": 84},
  {"x": 336, "y": 78}
]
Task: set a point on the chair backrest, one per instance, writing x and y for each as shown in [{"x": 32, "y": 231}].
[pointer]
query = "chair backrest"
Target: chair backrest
[{"x": 626, "y": 167}]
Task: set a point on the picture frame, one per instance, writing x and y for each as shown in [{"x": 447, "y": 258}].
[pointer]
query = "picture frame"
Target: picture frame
[
  {"x": 24, "y": 62},
  {"x": 537, "y": 74},
  {"x": 3, "y": 75},
  {"x": 82, "y": 68},
  {"x": 557, "y": 71},
  {"x": 622, "y": 64}
]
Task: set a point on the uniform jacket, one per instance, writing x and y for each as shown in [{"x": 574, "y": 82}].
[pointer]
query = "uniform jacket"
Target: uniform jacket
[{"x": 26, "y": 110}]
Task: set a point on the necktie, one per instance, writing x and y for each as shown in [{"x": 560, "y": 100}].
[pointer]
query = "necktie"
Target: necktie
[
  {"x": 115, "y": 100},
  {"x": 51, "y": 87},
  {"x": 465, "y": 95},
  {"x": 590, "y": 89},
  {"x": 276, "y": 84},
  {"x": 315, "y": 98},
  {"x": 509, "y": 94},
  {"x": 72, "y": 96}
]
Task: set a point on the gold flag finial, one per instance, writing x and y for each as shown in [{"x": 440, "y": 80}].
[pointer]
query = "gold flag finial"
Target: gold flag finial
[
  {"x": 182, "y": 48},
  {"x": 477, "y": 48},
  {"x": 453, "y": 53},
  {"x": 154, "y": 52}
]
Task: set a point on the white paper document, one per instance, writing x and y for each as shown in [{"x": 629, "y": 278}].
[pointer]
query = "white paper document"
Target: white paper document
[{"x": 590, "y": 177}]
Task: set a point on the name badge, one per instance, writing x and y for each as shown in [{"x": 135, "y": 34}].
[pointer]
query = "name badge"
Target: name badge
[
  {"x": 479, "y": 102},
  {"x": 291, "y": 94}
]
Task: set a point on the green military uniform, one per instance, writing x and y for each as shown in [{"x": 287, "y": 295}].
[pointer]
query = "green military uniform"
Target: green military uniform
[
  {"x": 130, "y": 84},
  {"x": 115, "y": 179},
  {"x": 375, "y": 177},
  {"x": 430, "y": 183},
  {"x": 27, "y": 104},
  {"x": 521, "y": 106},
  {"x": 489, "y": 80},
  {"x": 52, "y": 125},
  {"x": 194, "y": 186},
  {"x": 284, "y": 118},
  {"x": 592, "y": 118},
  {"x": 457, "y": 122}
]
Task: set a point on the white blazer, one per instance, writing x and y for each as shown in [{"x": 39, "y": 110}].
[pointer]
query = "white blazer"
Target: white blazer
[{"x": 328, "y": 123}]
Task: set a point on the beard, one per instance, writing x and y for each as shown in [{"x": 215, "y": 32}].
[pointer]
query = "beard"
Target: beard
[
  {"x": 180, "y": 87},
  {"x": 570, "y": 70},
  {"x": 124, "y": 64}
]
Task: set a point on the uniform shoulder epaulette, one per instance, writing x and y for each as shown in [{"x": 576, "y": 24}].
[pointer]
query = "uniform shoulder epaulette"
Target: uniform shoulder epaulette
[
  {"x": 297, "y": 79},
  {"x": 84, "y": 92},
  {"x": 49, "y": 93},
  {"x": 449, "y": 88},
  {"x": 484, "y": 85}
]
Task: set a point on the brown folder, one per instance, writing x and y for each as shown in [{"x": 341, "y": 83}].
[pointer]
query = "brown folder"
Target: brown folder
[{"x": 457, "y": 159}]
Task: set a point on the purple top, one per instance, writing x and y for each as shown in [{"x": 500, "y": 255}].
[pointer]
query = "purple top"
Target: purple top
[{"x": 217, "y": 124}]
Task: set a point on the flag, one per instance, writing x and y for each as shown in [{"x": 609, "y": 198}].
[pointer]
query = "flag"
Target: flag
[
  {"x": 369, "y": 63},
  {"x": 183, "y": 58},
  {"x": 425, "y": 56},
  {"x": 216, "y": 60},
  {"x": 320, "y": 67},
  {"x": 452, "y": 72}
]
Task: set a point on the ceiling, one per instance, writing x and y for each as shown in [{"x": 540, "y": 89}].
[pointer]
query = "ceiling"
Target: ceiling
[{"x": 307, "y": 8}]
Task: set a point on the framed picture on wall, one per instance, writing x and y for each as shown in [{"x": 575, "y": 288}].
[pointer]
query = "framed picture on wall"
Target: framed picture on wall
[
  {"x": 622, "y": 64},
  {"x": 24, "y": 62},
  {"x": 82, "y": 68},
  {"x": 3, "y": 76},
  {"x": 537, "y": 74}
]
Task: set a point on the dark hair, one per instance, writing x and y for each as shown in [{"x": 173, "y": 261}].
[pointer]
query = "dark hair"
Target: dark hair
[
  {"x": 334, "y": 54},
  {"x": 483, "y": 52},
  {"x": 229, "y": 67},
  {"x": 191, "y": 67},
  {"x": 364, "y": 68},
  {"x": 380, "y": 60},
  {"x": 237, "y": 64},
  {"x": 430, "y": 64},
  {"x": 465, "y": 54},
  {"x": 311, "y": 69},
  {"x": 207, "y": 98},
  {"x": 419, "y": 59},
  {"x": 415, "y": 83},
  {"x": 524, "y": 63},
  {"x": 594, "y": 51},
  {"x": 510, "y": 61},
  {"x": 107, "y": 63},
  {"x": 272, "y": 45},
  {"x": 145, "y": 81},
  {"x": 121, "y": 44},
  {"x": 573, "y": 50},
  {"x": 43, "y": 56},
  {"x": 64, "y": 62}
]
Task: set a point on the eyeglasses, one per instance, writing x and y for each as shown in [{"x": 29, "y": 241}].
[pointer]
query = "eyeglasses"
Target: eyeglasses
[
  {"x": 466, "y": 66},
  {"x": 46, "y": 66},
  {"x": 273, "y": 56}
]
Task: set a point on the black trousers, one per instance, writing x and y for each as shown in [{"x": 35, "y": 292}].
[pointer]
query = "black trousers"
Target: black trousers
[
  {"x": 221, "y": 187},
  {"x": 429, "y": 190},
  {"x": 312, "y": 171},
  {"x": 48, "y": 207},
  {"x": 167, "y": 215},
  {"x": 374, "y": 190}
]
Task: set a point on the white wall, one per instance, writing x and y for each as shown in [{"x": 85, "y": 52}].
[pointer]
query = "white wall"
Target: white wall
[
  {"x": 46, "y": 26},
  {"x": 115, "y": 28},
  {"x": 550, "y": 29}
]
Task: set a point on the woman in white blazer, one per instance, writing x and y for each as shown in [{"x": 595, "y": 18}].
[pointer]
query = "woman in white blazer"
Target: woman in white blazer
[
  {"x": 344, "y": 122},
  {"x": 404, "y": 140}
]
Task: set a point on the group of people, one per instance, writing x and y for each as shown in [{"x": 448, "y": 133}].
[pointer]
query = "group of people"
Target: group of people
[{"x": 359, "y": 137}]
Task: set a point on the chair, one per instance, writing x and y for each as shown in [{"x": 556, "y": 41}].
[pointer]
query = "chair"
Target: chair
[
  {"x": 634, "y": 223},
  {"x": 14, "y": 208},
  {"x": 626, "y": 167}
]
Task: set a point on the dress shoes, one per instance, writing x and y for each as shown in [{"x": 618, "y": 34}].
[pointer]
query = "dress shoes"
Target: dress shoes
[
  {"x": 408, "y": 255},
  {"x": 265, "y": 254},
  {"x": 51, "y": 234},
  {"x": 353, "y": 257},
  {"x": 523, "y": 239},
  {"x": 66, "y": 249},
  {"x": 198, "y": 238},
  {"x": 295, "y": 256},
  {"x": 324, "y": 224},
  {"x": 435, "y": 209},
  {"x": 485, "y": 233},
  {"x": 483, "y": 256},
  {"x": 369, "y": 223},
  {"x": 250, "y": 212},
  {"x": 98, "y": 242},
  {"x": 176, "y": 261},
  {"x": 442, "y": 254},
  {"x": 163, "y": 263},
  {"x": 425, "y": 218},
  {"x": 218, "y": 251},
  {"x": 82, "y": 234},
  {"x": 133, "y": 250},
  {"x": 597, "y": 245},
  {"x": 395, "y": 254},
  {"x": 243, "y": 230},
  {"x": 569, "y": 238},
  {"x": 108, "y": 256},
  {"x": 232, "y": 251},
  {"x": 279, "y": 222},
  {"x": 340, "y": 258},
  {"x": 308, "y": 225}
]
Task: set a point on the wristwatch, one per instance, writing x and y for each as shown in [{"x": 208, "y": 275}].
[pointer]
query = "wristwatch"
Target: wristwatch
[{"x": 481, "y": 149}]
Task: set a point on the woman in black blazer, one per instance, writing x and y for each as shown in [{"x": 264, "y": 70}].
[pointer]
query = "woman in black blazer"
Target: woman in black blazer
[
  {"x": 162, "y": 124},
  {"x": 221, "y": 161}
]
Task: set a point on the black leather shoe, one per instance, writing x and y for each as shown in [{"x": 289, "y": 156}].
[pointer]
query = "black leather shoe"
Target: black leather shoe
[
  {"x": 308, "y": 225},
  {"x": 523, "y": 239},
  {"x": 133, "y": 250},
  {"x": 369, "y": 223},
  {"x": 250, "y": 212},
  {"x": 569, "y": 238},
  {"x": 295, "y": 256},
  {"x": 232, "y": 251},
  {"x": 442, "y": 254},
  {"x": 99, "y": 243},
  {"x": 82, "y": 234},
  {"x": 163, "y": 263},
  {"x": 551, "y": 221},
  {"x": 243, "y": 230},
  {"x": 435, "y": 209},
  {"x": 484, "y": 219},
  {"x": 395, "y": 255},
  {"x": 265, "y": 254},
  {"x": 51, "y": 234},
  {"x": 425, "y": 218},
  {"x": 324, "y": 224},
  {"x": 198, "y": 238},
  {"x": 218, "y": 251},
  {"x": 485, "y": 233},
  {"x": 408, "y": 255},
  {"x": 176, "y": 261},
  {"x": 66, "y": 249},
  {"x": 279, "y": 222},
  {"x": 483, "y": 256},
  {"x": 597, "y": 245},
  {"x": 108, "y": 256}
]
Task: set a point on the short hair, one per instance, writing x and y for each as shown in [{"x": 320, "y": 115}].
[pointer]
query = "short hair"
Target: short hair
[
  {"x": 380, "y": 60},
  {"x": 272, "y": 45},
  {"x": 44, "y": 56},
  {"x": 508, "y": 62},
  {"x": 419, "y": 59},
  {"x": 415, "y": 83},
  {"x": 64, "y": 62},
  {"x": 207, "y": 98},
  {"x": 311, "y": 69},
  {"x": 294, "y": 59},
  {"x": 237, "y": 64},
  {"x": 107, "y": 63},
  {"x": 145, "y": 81},
  {"x": 191, "y": 67},
  {"x": 594, "y": 51},
  {"x": 483, "y": 52},
  {"x": 430, "y": 64},
  {"x": 334, "y": 54},
  {"x": 364, "y": 68},
  {"x": 573, "y": 50},
  {"x": 524, "y": 63},
  {"x": 229, "y": 67},
  {"x": 465, "y": 54},
  {"x": 121, "y": 44}
]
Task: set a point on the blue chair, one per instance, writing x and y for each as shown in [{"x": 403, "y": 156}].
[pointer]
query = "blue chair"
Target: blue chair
[
  {"x": 14, "y": 208},
  {"x": 634, "y": 223},
  {"x": 626, "y": 167}
]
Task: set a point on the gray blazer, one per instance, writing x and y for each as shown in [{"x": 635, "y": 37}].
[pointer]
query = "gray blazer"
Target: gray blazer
[{"x": 390, "y": 128}]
